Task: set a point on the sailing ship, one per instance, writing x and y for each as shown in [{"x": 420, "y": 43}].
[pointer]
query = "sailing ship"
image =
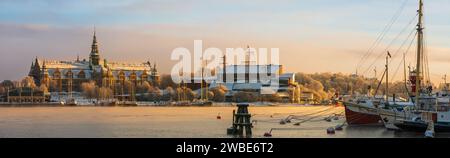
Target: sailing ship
[
  {"x": 381, "y": 110},
  {"x": 426, "y": 114},
  {"x": 375, "y": 110},
  {"x": 424, "y": 111},
  {"x": 204, "y": 88}
]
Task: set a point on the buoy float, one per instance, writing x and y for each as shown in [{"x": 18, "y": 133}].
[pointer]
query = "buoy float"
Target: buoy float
[
  {"x": 267, "y": 134},
  {"x": 331, "y": 130},
  {"x": 339, "y": 127},
  {"x": 219, "y": 117}
]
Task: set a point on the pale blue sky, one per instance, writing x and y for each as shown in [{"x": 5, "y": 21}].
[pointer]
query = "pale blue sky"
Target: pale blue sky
[{"x": 326, "y": 35}]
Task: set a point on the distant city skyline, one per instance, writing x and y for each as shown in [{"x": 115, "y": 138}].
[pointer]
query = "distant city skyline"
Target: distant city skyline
[{"x": 313, "y": 36}]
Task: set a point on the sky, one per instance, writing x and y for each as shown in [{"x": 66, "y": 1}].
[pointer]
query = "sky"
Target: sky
[{"x": 312, "y": 35}]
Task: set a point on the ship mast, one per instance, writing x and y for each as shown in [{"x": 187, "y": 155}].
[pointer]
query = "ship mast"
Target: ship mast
[
  {"x": 419, "y": 53},
  {"x": 387, "y": 77}
]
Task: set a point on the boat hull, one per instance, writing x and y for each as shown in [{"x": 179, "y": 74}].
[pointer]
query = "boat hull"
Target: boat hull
[
  {"x": 361, "y": 115},
  {"x": 389, "y": 117},
  {"x": 421, "y": 127}
]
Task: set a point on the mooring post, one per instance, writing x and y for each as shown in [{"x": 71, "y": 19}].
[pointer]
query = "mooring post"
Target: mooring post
[{"x": 241, "y": 121}]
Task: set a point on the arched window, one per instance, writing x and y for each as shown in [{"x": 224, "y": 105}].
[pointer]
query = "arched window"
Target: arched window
[
  {"x": 122, "y": 75},
  {"x": 133, "y": 76},
  {"x": 57, "y": 73},
  {"x": 144, "y": 76},
  {"x": 69, "y": 74},
  {"x": 82, "y": 74}
]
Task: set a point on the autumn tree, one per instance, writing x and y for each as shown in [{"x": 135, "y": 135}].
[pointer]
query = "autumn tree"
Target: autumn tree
[
  {"x": 104, "y": 93},
  {"x": 7, "y": 84},
  {"x": 219, "y": 93},
  {"x": 166, "y": 81},
  {"x": 155, "y": 94},
  {"x": 169, "y": 94},
  {"x": 145, "y": 87},
  {"x": 245, "y": 97},
  {"x": 28, "y": 82},
  {"x": 2, "y": 90},
  {"x": 89, "y": 89},
  {"x": 43, "y": 88}
]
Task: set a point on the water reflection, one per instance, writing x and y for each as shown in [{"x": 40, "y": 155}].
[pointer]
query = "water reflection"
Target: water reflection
[{"x": 179, "y": 122}]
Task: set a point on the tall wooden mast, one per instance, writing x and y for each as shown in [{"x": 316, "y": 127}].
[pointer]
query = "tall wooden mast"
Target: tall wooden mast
[
  {"x": 419, "y": 53},
  {"x": 387, "y": 77}
]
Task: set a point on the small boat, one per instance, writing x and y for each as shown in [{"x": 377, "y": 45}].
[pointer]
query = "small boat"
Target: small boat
[
  {"x": 70, "y": 102},
  {"x": 331, "y": 130},
  {"x": 202, "y": 103},
  {"x": 128, "y": 103},
  {"x": 182, "y": 103},
  {"x": 339, "y": 127},
  {"x": 362, "y": 111},
  {"x": 107, "y": 103}
]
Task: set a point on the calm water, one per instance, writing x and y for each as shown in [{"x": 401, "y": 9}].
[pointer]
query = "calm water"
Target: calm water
[{"x": 175, "y": 122}]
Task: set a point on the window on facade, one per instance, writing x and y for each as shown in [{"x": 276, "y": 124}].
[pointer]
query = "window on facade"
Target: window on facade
[
  {"x": 57, "y": 74},
  {"x": 81, "y": 74}
]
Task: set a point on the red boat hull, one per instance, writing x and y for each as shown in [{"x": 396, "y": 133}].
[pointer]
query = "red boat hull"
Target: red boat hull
[{"x": 358, "y": 115}]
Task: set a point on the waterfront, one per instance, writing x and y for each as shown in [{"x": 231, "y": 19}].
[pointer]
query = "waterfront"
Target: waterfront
[{"x": 173, "y": 122}]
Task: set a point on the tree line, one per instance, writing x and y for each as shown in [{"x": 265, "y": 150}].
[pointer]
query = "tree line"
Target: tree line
[{"x": 324, "y": 86}]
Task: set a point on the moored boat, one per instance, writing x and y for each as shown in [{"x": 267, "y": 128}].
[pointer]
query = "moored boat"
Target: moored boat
[{"x": 362, "y": 111}]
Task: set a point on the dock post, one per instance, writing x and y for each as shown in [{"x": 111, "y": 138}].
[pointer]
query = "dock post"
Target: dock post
[{"x": 241, "y": 122}]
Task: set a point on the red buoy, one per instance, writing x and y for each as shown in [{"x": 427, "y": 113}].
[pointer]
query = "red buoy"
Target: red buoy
[
  {"x": 267, "y": 134},
  {"x": 331, "y": 130},
  {"x": 219, "y": 117}
]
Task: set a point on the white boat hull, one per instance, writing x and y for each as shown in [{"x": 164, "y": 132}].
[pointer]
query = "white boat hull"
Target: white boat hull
[{"x": 389, "y": 118}]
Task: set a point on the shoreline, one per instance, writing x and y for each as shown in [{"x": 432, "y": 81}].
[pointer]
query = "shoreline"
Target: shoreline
[{"x": 6, "y": 105}]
